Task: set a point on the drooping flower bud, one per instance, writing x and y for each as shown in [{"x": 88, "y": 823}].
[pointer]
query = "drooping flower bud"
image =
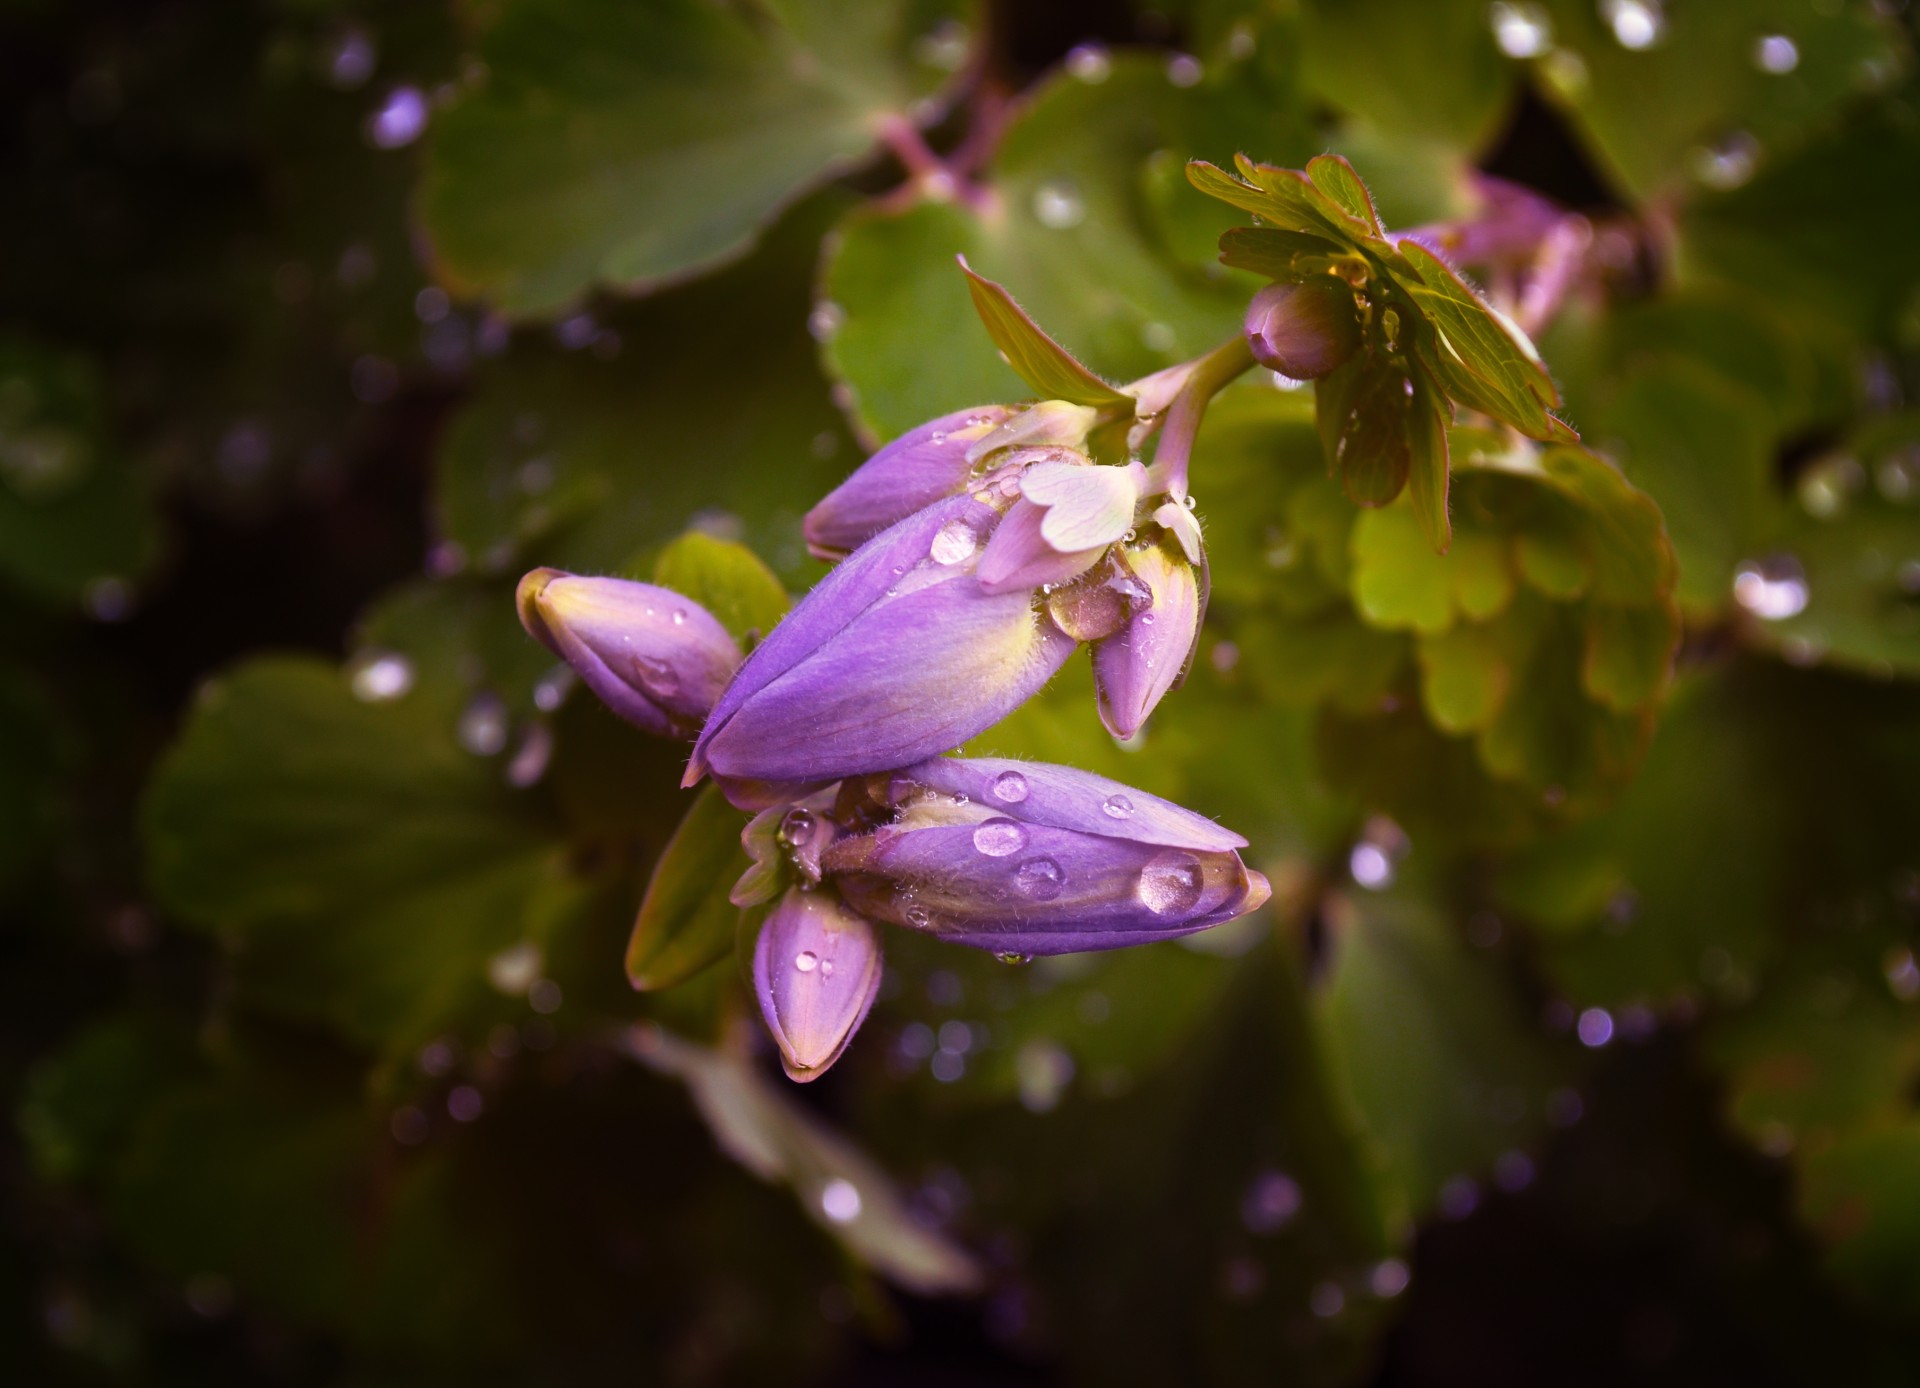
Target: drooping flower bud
[
  {"x": 1024, "y": 858},
  {"x": 1303, "y": 330},
  {"x": 1135, "y": 666},
  {"x": 816, "y": 969},
  {"x": 920, "y": 467},
  {"x": 895, "y": 656},
  {"x": 657, "y": 659}
]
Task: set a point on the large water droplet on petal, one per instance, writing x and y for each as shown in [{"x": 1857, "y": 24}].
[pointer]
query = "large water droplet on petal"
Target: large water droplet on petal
[
  {"x": 956, "y": 541},
  {"x": 1171, "y": 883},
  {"x": 806, "y": 961},
  {"x": 1009, "y": 787},
  {"x": 656, "y": 676},
  {"x": 797, "y": 825},
  {"x": 1040, "y": 878},
  {"x": 999, "y": 838},
  {"x": 1117, "y": 807}
]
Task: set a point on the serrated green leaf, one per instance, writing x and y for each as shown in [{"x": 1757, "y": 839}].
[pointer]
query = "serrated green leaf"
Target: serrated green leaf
[
  {"x": 1428, "y": 467},
  {"x": 1398, "y": 581},
  {"x": 1495, "y": 354},
  {"x": 1464, "y": 677},
  {"x": 1335, "y": 177},
  {"x": 631, "y": 145},
  {"x": 686, "y": 923},
  {"x": 1038, "y": 360},
  {"x": 1287, "y": 256},
  {"x": 727, "y": 579},
  {"x": 1629, "y": 654}
]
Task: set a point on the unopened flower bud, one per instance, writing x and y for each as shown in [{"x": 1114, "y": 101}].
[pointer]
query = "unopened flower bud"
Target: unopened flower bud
[
  {"x": 816, "y": 969},
  {"x": 1135, "y": 666},
  {"x": 895, "y": 656},
  {"x": 920, "y": 467},
  {"x": 657, "y": 659},
  {"x": 1025, "y": 858},
  {"x": 1304, "y": 331}
]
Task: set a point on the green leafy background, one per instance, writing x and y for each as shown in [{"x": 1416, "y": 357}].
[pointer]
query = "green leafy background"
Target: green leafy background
[{"x": 1581, "y": 1039}]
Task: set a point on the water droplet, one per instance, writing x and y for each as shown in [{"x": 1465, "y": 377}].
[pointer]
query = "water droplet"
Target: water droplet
[
  {"x": 1521, "y": 31},
  {"x": 1776, "y": 53},
  {"x": 350, "y": 61},
  {"x": 400, "y": 119},
  {"x": 483, "y": 726},
  {"x": 1370, "y": 866},
  {"x": 1009, "y": 787},
  {"x": 1773, "y": 589},
  {"x": 1171, "y": 883},
  {"x": 1010, "y": 957},
  {"x": 381, "y": 676},
  {"x": 1728, "y": 162},
  {"x": 826, "y": 968},
  {"x": 919, "y": 917},
  {"x": 1389, "y": 1278},
  {"x": 955, "y": 541},
  {"x": 806, "y": 961},
  {"x": 679, "y": 616},
  {"x": 840, "y": 1201},
  {"x": 1158, "y": 337},
  {"x": 825, "y": 321},
  {"x": 1090, "y": 63},
  {"x": 1637, "y": 24},
  {"x": 1146, "y": 619},
  {"x": 1270, "y": 1203},
  {"x": 1185, "y": 70},
  {"x": 1117, "y": 806},
  {"x": 796, "y": 825},
  {"x": 999, "y": 838},
  {"x": 656, "y": 676},
  {"x": 1595, "y": 1027},
  {"x": 1057, "y": 204},
  {"x": 1040, "y": 878}
]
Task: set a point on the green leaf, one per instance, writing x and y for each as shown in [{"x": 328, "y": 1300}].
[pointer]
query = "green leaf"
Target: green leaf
[
  {"x": 1421, "y": 71},
  {"x": 1465, "y": 674},
  {"x": 686, "y": 923},
  {"x": 1428, "y": 463},
  {"x": 1061, "y": 216},
  {"x": 1509, "y": 381},
  {"x": 1038, "y": 360},
  {"x": 632, "y": 145},
  {"x": 838, "y": 1185},
  {"x": 727, "y": 579},
  {"x": 75, "y": 518},
  {"x": 1398, "y": 580},
  {"x": 367, "y": 865},
  {"x": 1274, "y": 254},
  {"x": 567, "y": 459},
  {"x": 1690, "y": 105},
  {"x": 1335, "y": 177},
  {"x": 1429, "y": 1048}
]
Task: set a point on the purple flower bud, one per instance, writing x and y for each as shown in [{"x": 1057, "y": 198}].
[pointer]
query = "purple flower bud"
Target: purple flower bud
[
  {"x": 1303, "y": 330},
  {"x": 1023, "y": 858},
  {"x": 657, "y": 659},
  {"x": 917, "y": 469},
  {"x": 816, "y": 969},
  {"x": 1070, "y": 510},
  {"x": 895, "y": 656},
  {"x": 1139, "y": 663}
]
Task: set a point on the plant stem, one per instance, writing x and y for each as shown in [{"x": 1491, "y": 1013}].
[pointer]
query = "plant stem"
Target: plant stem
[{"x": 1210, "y": 374}]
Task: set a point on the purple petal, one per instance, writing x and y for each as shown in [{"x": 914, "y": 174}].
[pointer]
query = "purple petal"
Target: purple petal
[
  {"x": 1137, "y": 665},
  {"x": 908, "y": 678},
  {"x": 1019, "y": 559},
  {"x": 856, "y": 585},
  {"x": 917, "y": 469},
  {"x": 816, "y": 969},
  {"x": 1063, "y": 797},
  {"x": 657, "y": 659},
  {"x": 1017, "y": 888}
]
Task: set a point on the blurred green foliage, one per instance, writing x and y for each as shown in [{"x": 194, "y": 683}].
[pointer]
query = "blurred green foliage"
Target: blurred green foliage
[{"x": 1594, "y": 840}]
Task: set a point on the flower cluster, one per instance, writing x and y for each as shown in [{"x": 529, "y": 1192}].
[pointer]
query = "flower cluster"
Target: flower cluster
[{"x": 975, "y": 554}]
